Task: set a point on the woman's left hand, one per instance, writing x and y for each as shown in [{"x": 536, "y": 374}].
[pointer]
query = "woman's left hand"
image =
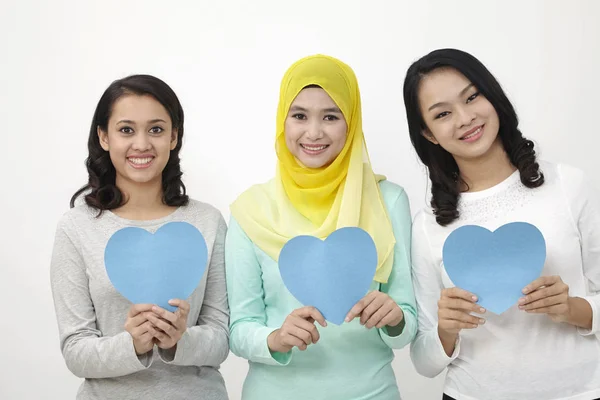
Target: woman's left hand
[
  {"x": 170, "y": 326},
  {"x": 376, "y": 309},
  {"x": 547, "y": 295}
]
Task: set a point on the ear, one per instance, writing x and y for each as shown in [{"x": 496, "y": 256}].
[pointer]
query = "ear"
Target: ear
[
  {"x": 429, "y": 136},
  {"x": 103, "y": 137},
  {"x": 174, "y": 139}
]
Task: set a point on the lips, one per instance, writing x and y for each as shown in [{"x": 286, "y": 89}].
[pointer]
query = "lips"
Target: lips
[
  {"x": 473, "y": 133},
  {"x": 313, "y": 149},
  {"x": 141, "y": 161}
]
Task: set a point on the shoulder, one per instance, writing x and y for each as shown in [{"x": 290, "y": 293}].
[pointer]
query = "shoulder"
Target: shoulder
[
  {"x": 568, "y": 178},
  {"x": 201, "y": 213},
  {"x": 391, "y": 192},
  {"x": 79, "y": 216},
  {"x": 203, "y": 209}
]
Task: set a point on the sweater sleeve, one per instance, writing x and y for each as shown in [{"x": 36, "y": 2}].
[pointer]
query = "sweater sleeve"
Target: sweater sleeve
[
  {"x": 249, "y": 330},
  {"x": 579, "y": 193},
  {"x": 427, "y": 352},
  {"x": 87, "y": 353},
  {"x": 399, "y": 286}
]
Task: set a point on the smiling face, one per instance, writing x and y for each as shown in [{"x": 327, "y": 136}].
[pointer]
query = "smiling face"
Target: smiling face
[
  {"x": 139, "y": 138},
  {"x": 315, "y": 128},
  {"x": 457, "y": 116}
]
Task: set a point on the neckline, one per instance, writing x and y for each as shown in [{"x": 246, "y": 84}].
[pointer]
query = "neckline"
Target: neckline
[
  {"x": 512, "y": 178},
  {"x": 144, "y": 222}
]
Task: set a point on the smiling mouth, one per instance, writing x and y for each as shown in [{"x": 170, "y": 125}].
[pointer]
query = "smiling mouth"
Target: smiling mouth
[
  {"x": 314, "y": 149},
  {"x": 140, "y": 162},
  {"x": 473, "y": 135}
]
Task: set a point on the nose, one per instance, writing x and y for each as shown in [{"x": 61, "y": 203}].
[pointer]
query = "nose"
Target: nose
[
  {"x": 465, "y": 116},
  {"x": 314, "y": 131},
  {"x": 141, "y": 142}
]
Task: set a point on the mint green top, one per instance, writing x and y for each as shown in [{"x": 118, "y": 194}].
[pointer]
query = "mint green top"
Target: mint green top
[{"x": 350, "y": 362}]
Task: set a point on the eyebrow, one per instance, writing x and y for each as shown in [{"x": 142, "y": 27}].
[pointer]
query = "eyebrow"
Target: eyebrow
[
  {"x": 331, "y": 109},
  {"x": 462, "y": 92},
  {"x": 152, "y": 121}
]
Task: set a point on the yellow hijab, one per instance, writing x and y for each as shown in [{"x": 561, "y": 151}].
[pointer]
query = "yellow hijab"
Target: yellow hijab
[{"x": 316, "y": 202}]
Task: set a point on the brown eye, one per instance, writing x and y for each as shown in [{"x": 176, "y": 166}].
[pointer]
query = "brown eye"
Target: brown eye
[{"x": 472, "y": 97}]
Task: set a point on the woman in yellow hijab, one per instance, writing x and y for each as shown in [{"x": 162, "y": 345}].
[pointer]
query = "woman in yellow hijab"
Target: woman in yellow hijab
[{"x": 323, "y": 182}]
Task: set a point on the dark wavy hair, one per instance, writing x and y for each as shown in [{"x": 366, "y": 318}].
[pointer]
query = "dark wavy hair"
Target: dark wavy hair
[
  {"x": 443, "y": 170},
  {"x": 103, "y": 192}
]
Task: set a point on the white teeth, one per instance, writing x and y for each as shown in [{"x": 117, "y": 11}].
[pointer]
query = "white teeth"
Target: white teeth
[
  {"x": 140, "y": 161},
  {"x": 314, "y": 148},
  {"x": 473, "y": 134}
]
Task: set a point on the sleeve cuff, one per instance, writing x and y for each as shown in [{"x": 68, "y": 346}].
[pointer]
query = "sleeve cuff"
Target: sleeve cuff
[
  {"x": 595, "y": 322},
  {"x": 176, "y": 355},
  {"x": 265, "y": 355},
  {"x": 136, "y": 362},
  {"x": 399, "y": 336},
  {"x": 168, "y": 355},
  {"x": 442, "y": 352}
]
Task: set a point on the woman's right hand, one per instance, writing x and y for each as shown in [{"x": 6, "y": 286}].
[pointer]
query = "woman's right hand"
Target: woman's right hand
[
  {"x": 454, "y": 314},
  {"x": 141, "y": 330},
  {"x": 298, "y": 330}
]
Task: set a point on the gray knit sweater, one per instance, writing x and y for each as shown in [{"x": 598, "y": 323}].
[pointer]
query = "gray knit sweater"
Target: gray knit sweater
[{"x": 91, "y": 314}]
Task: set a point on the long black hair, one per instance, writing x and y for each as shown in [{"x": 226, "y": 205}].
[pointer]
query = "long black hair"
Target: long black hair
[
  {"x": 103, "y": 192},
  {"x": 443, "y": 170}
]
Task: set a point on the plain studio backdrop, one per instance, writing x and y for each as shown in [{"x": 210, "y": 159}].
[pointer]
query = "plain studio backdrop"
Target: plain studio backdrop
[{"x": 225, "y": 60}]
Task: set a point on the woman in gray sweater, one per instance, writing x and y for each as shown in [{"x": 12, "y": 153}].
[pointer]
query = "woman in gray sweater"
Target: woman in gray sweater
[{"x": 125, "y": 350}]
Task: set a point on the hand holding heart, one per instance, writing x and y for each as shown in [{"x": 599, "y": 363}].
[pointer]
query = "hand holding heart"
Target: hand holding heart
[
  {"x": 298, "y": 330},
  {"x": 149, "y": 324},
  {"x": 141, "y": 330},
  {"x": 376, "y": 309},
  {"x": 547, "y": 295},
  {"x": 454, "y": 312}
]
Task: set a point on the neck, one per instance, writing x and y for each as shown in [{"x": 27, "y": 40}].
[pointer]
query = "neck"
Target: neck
[
  {"x": 486, "y": 171},
  {"x": 141, "y": 200}
]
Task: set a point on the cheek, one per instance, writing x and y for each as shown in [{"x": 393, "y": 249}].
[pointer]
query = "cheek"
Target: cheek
[
  {"x": 291, "y": 133},
  {"x": 442, "y": 131},
  {"x": 488, "y": 110},
  {"x": 117, "y": 147},
  {"x": 339, "y": 135},
  {"x": 164, "y": 145}
]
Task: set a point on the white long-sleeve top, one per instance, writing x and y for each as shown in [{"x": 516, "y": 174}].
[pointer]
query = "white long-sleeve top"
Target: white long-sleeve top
[{"x": 517, "y": 355}]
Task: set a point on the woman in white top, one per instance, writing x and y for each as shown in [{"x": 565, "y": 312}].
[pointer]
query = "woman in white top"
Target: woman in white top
[{"x": 484, "y": 172}]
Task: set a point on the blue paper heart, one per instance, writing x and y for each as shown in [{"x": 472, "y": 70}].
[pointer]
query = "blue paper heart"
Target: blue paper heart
[
  {"x": 155, "y": 268},
  {"x": 495, "y": 266},
  {"x": 331, "y": 275}
]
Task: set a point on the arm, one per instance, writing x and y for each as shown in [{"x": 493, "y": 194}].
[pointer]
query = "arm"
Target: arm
[
  {"x": 249, "y": 331},
  {"x": 427, "y": 352},
  {"x": 87, "y": 353},
  {"x": 586, "y": 216},
  {"x": 399, "y": 286},
  {"x": 206, "y": 343}
]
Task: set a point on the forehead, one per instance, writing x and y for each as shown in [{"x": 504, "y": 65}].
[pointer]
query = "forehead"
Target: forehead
[
  {"x": 443, "y": 84},
  {"x": 138, "y": 108}
]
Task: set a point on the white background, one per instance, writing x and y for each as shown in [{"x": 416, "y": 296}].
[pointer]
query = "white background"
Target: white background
[{"x": 225, "y": 60}]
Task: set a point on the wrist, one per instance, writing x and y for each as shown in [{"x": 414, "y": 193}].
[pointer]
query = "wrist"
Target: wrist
[
  {"x": 448, "y": 340},
  {"x": 272, "y": 341},
  {"x": 579, "y": 312},
  {"x": 397, "y": 321}
]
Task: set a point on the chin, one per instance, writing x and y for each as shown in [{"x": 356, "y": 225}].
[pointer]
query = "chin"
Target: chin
[
  {"x": 313, "y": 164},
  {"x": 143, "y": 179}
]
